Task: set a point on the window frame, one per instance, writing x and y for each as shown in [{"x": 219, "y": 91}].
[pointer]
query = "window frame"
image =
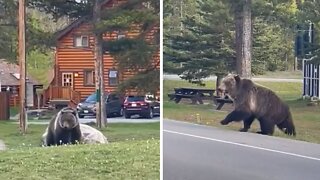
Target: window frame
[
  {"x": 117, "y": 77},
  {"x": 81, "y": 36},
  {"x": 121, "y": 35},
  {"x": 85, "y": 80}
]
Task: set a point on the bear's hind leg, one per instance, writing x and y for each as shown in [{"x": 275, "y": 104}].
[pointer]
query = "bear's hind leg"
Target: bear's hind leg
[
  {"x": 266, "y": 126},
  {"x": 247, "y": 124}
]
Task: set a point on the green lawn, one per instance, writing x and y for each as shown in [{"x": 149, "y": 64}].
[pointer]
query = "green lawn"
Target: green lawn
[
  {"x": 133, "y": 153},
  {"x": 282, "y": 74},
  {"x": 115, "y": 132},
  {"x": 306, "y": 118}
]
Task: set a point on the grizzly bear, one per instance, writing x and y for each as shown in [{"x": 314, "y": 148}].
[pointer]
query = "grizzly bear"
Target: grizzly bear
[
  {"x": 64, "y": 128},
  {"x": 256, "y": 102}
]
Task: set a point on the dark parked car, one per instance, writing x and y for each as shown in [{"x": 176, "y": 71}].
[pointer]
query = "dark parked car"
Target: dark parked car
[
  {"x": 114, "y": 105},
  {"x": 145, "y": 106}
]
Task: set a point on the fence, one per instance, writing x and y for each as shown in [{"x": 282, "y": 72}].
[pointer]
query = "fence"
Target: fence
[
  {"x": 311, "y": 79},
  {"x": 4, "y": 106}
]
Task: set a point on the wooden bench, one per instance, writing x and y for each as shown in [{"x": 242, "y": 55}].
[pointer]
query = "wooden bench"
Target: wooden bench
[
  {"x": 220, "y": 101},
  {"x": 177, "y": 97},
  {"x": 171, "y": 96},
  {"x": 195, "y": 94}
]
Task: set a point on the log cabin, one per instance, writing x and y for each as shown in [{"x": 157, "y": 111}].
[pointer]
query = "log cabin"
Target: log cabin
[
  {"x": 74, "y": 76},
  {"x": 10, "y": 82}
]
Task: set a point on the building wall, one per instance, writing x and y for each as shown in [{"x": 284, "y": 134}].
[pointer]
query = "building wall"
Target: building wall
[{"x": 75, "y": 60}]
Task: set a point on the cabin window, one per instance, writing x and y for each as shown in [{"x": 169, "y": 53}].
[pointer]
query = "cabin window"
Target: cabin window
[
  {"x": 121, "y": 34},
  {"x": 113, "y": 77},
  {"x": 81, "y": 41},
  {"x": 89, "y": 78}
]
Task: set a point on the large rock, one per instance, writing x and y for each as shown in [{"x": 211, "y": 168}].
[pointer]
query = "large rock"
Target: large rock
[{"x": 90, "y": 135}]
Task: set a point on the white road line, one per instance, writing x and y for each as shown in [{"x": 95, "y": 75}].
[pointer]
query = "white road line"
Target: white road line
[{"x": 243, "y": 145}]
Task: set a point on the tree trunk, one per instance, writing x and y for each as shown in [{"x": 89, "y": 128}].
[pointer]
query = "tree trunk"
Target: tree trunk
[
  {"x": 97, "y": 55},
  {"x": 243, "y": 24},
  {"x": 102, "y": 87},
  {"x": 218, "y": 82},
  {"x": 22, "y": 63}
]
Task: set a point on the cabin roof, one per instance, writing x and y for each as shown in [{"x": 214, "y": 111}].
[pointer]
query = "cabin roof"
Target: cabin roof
[
  {"x": 10, "y": 75},
  {"x": 75, "y": 24}
]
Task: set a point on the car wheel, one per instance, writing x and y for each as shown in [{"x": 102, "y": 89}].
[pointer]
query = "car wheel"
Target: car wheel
[
  {"x": 150, "y": 114},
  {"x": 127, "y": 116}
]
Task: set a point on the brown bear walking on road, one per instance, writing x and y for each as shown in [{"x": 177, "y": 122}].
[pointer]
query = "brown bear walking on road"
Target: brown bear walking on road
[{"x": 252, "y": 101}]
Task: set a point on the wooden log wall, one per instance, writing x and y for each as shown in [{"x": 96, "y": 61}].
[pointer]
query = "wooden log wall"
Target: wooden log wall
[{"x": 70, "y": 59}]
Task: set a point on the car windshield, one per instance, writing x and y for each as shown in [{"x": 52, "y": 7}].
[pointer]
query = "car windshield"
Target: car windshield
[
  {"x": 91, "y": 98},
  {"x": 135, "y": 98}
]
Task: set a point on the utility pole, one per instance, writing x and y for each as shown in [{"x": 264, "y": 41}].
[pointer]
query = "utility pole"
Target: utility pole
[
  {"x": 22, "y": 65},
  {"x": 98, "y": 54}
]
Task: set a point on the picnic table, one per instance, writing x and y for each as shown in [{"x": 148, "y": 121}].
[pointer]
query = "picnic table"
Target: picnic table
[{"x": 197, "y": 95}]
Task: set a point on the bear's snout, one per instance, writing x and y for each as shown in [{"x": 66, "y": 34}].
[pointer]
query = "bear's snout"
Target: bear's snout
[
  {"x": 65, "y": 125},
  {"x": 220, "y": 90},
  {"x": 223, "y": 91}
]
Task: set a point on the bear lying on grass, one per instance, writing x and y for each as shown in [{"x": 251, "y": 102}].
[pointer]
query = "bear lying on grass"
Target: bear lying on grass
[
  {"x": 64, "y": 128},
  {"x": 252, "y": 101}
]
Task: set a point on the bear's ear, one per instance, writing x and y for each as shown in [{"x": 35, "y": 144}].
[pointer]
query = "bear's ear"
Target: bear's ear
[{"x": 237, "y": 78}]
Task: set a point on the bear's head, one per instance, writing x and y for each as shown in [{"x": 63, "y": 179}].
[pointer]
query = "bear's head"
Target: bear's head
[
  {"x": 228, "y": 85},
  {"x": 68, "y": 118}
]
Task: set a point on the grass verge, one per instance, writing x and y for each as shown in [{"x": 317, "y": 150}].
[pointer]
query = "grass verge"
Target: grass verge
[
  {"x": 305, "y": 117},
  {"x": 120, "y": 160},
  {"x": 115, "y": 132},
  {"x": 134, "y": 153}
]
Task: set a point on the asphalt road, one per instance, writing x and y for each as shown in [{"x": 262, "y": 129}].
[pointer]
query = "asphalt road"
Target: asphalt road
[
  {"x": 133, "y": 119},
  {"x": 195, "y": 152}
]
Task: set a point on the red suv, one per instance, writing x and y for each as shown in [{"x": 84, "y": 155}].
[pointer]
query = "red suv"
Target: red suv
[{"x": 144, "y": 106}]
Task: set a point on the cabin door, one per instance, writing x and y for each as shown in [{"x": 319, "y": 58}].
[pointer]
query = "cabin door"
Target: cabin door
[{"x": 67, "y": 84}]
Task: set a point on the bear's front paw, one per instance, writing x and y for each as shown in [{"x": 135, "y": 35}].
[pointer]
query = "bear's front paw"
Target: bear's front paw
[
  {"x": 243, "y": 130},
  {"x": 223, "y": 122}
]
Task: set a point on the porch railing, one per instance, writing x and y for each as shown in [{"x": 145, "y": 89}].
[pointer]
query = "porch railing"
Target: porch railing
[{"x": 62, "y": 93}]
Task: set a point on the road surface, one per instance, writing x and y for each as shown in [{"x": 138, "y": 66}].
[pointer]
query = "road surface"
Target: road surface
[
  {"x": 110, "y": 120},
  {"x": 199, "y": 152},
  {"x": 133, "y": 119}
]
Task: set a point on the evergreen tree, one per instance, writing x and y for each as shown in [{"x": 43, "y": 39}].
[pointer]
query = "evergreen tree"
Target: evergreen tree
[
  {"x": 205, "y": 47},
  {"x": 309, "y": 13},
  {"x": 273, "y": 33},
  {"x": 135, "y": 54}
]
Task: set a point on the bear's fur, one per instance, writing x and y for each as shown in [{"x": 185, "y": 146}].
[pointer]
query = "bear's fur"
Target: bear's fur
[
  {"x": 64, "y": 128},
  {"x": 252, "y": 101}
]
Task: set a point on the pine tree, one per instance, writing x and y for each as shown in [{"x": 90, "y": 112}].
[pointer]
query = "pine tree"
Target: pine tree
[
  {"x": 205, "y": 47},
  {"x": 135, "y": 54}
]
